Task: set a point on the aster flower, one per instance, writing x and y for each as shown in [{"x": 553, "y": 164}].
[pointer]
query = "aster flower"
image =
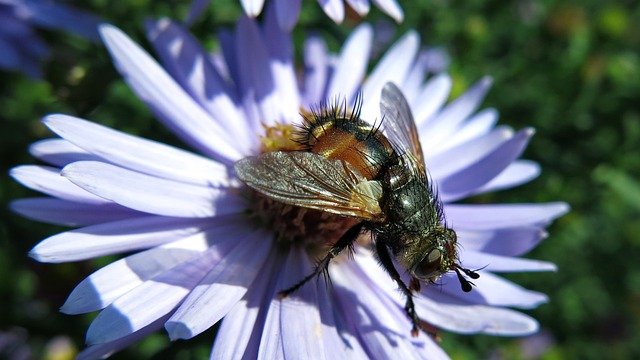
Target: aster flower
[
  {"x": 200, "y": 254},
  {"x": 288, "y": 11},
  {"x": 20, "y": 46}
]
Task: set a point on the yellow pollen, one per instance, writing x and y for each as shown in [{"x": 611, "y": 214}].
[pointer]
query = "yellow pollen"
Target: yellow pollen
[{"x": 279, "y": 138}]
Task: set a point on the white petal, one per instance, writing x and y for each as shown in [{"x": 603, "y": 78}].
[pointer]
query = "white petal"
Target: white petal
[
  {"x": 352, "y": 64},
  {"x": 334, "y": 9},
  {"x": 59, "y": 152},
  {"x": 391, "y": 8},
  {"x": 170, "y": 103},
  {"x": 67, "y": 213},
  {"x": 501, "y": 216},
  {"x": 154, "y": 298},
  {"x": 476, "y": 126},
  {"x": 104, "y": 286},
  {"x": 252, "y": 8},
  {"x": 360, "y": 6},
  {"x": 114, "y": 237},
  {"x": 432, "y": 97},
  {"x": 222, "y": 288},
  {"x": 47, "y": 180},
  {"x": 471, "y": 319},
  {"x": 393, "y": 67},
  {"x": 138, "y": 154},
  {"x": 151, "y": 194}
]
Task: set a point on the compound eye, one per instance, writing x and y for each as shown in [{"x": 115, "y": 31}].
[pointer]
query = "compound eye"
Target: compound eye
[{"x": 429, "y": 267}]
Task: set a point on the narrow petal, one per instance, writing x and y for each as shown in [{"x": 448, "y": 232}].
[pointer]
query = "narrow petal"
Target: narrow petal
[
  {"x": 466, "y": 181},
  {"x": 271, "y": 344},
  {"x": 441, "y": 126},
  {"x": 115, "y": 237},
  {"x": 138, "y": 154},
  {"x": 222, "y": 288},
  {"x": 197, "y": 7},
  {"x": 67, "y": 213},
  {"x": 299, "y": 314},
  {"x": 151, "y": 194},
  {"x": 252, "y": 8},
  {"x": 256, "y": 80},
  {"x": 282, "y": 66},
  {"x": 47, "y": 180},
  {"x": 166, "y": 98},
  {"x": 518, "y": 173},
  {"x": 501, "y": 216},
  {"x": 476, "y": 126},
  {"x": 507, "y": 242},
  {"x": 490, "y": 289},
  {"x": 316, "y": 64},
  {"x": 102, "y": 351},
  {"x": 473, "y": 319},
  {"x": 391, "y": 8},
  {"x": 394, "y": 66},
  {"x": 434, "y": 94},
  {"x": 465, "y": 155},
  {"x": 191, "y": 66},
  {"x": 244, "y": 322},
  {"x": 59, "y": 152},
  {"x": 334, "y": 9},
  {"x": 288, "y": 12},
  {"x": 362, "y": 7},
  {"x": 104, "y": 286},
  {"x": 351, "y": 65},
  {"x": 498, "y": 263},
  {"x": 154, "y": 298}
]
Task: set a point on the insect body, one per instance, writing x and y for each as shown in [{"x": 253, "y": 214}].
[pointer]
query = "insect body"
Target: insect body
[{"x": 349, "y": 168}]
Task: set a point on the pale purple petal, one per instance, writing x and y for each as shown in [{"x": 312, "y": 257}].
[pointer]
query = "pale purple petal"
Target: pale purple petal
[
  {"x": 151, "y": 194},
  {"x": 391, "y": 8},
  {"x": 316, "y": 72},
  {"x": 288, "y": 12},
  {"x": 517, "y": 173},
  {"x": 256, "y": 81},
  {"x": 476, "y": 126},
  {"x": 283, "y": 68},
  {"x": 154, "y": 298},
  {"x": 197, "y": 7},
  {"x": 252, "y": 8},
  {"x": 59, "y": 152},
  {"x": 393, "y": 67},
  {"x": 115, "y": 237},
  {"x": 116, "y": 279},
  {"x": 299, "y": 311},
  {"x": 170, "y": 103},
  {"x": 498, "y": 263},
  {"x": 67, "y": 213},
  {"x": 244, "y": 321},
  {"x": 468, "y": 180},
  {"x": 473, "y": 319},
  {"x": 432, "y": 97},
  {"x": 508, "y": 242},
  {"x": 489, "y": 289},
  {"x": 271, "y": 344},
  {"x": 60, "y": 16},
  {"x": 502, "y": 216},
  {"x": 193, "y": 69},
  {"x": 444, "y": 124},
  {"x": 351, "y": 65},
  {"x": 465, "y": 155},
  {"x": 135, "y": 153},
  {"x": 221, "y": 288},
  {"x": 48, "y": 180},
  {"x": 360, "y": 6},
  {"x": 104, "y": 350},
  {"x": 334, "y": 9}
]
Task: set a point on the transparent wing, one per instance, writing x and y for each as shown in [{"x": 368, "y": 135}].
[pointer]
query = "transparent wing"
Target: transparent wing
[
  {"x": 312, "y": 181},
  {"x": 399, "y": 125}
]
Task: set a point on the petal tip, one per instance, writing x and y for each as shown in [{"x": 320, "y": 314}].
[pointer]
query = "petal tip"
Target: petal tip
[{"x": 178, "y": 330}]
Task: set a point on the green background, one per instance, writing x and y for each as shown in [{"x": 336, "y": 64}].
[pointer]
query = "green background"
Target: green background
[{"x": 571, "y": 69}]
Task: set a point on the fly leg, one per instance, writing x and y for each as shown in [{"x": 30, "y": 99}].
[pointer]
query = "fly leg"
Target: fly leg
[
  {"x": 344, "y": 241},
  {"x": 409, "y": 308}
]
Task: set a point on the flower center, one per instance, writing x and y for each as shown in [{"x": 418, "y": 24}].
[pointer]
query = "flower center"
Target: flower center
[{"x": 316, "y": 230}]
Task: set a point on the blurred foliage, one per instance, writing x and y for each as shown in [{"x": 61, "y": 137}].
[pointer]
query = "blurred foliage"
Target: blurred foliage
[{"x": 571, "y": 69}]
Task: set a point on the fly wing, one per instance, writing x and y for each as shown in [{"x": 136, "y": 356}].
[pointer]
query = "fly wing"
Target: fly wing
[
  {"x": 399, "y": 124},
  {"x": 312, "y": 181}
]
